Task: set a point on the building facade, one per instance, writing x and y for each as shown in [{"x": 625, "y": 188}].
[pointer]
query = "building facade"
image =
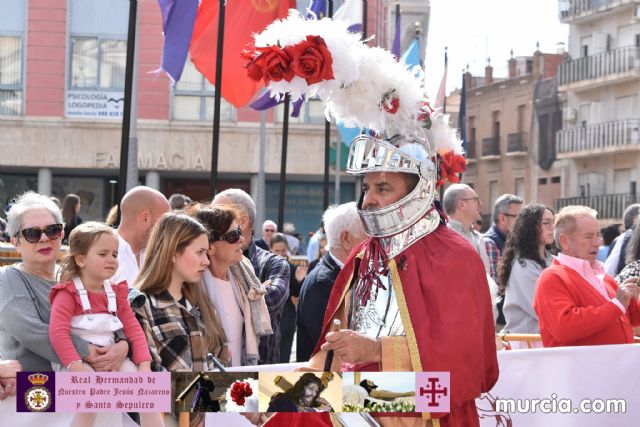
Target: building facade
[
  {"x": 62, "y": 65},
  {"x": 601, "y": 120},
  {"x": 503, "y": 130}
]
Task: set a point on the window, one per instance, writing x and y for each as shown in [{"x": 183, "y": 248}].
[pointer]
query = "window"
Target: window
[
  {"x": 97, "y": 63},
  {"x": 472, "y": 128},
  {"x": 529, "y": 66},
  {"x": 193, "y": 98},
  {"x": 521, "y": 112},
  {"x": 12, "y": 25},
  {"x": 495, "y": 118},
  {"x": 97, "y": 58},
  {"x": 520, "y": 189},
  {"x": 555, "y": 180},
  {"x": 312, "y": 111},
  {"x": 10, "y": 76},
  {"x": 493, "y": 191},
  {"x": 542, "y": 181}
]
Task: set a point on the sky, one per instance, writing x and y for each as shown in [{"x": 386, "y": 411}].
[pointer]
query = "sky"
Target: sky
[{"x": 476, "y": 29}]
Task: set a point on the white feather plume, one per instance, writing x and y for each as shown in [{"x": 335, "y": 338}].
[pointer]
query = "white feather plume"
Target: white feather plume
[{"x": 364, "y": 79}]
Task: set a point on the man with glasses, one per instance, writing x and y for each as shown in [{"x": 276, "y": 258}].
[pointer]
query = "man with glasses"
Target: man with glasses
[
  {"x": 505, "y": 212},
  {"x": 269, "y": 228},
  {"x": 463, "y": 204},
  {"x": 576, "y": 302}
]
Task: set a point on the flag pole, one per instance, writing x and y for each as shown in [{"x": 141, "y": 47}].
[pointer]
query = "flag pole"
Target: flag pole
[
  {"x": 364, "y": 19},
  {"x": 216, "y": 103},
  {"x": 283, "y": 161},
  {"x": 126, "y": 114},
  {"x": 444, "y": 102},
  {"x": 327, "y": 144},
  {"x": 358, "y": 178}
]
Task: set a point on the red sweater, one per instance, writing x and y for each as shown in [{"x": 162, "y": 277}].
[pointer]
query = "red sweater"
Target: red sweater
[
  {"x": 571, "y": 312},
  {"x": 65, "y": 303}
]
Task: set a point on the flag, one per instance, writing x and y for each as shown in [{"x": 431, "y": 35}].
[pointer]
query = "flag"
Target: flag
[
  {"x": 564, "y": 386},
  {"x": 347, "y": 134},
  {"x": 411, "y": 56},
  {"x": 462, "y": 116},
  {"x": 351, "y": 11},
  {"x": 441, "y": 99},
  {"x": 177, "y": 25},
  {"x": 318, "y": 8},
  {"x": 242, "y": 19},
  {"x": 396, "y": 40}
]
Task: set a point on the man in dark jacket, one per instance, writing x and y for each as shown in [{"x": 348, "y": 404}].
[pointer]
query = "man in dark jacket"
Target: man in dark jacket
[
  {"x": 344, "y": 231},
  {"x": 505, "y": 212}
]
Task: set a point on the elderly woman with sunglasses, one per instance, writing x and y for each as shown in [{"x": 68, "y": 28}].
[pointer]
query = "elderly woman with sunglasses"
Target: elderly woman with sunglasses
[
  {"x": 233, "y": 287},
  {"x": 36, "y": 230}
]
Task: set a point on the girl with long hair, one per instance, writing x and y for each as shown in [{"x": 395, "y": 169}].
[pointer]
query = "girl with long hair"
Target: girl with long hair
[
  {"x": 233, "y": 287},
  {"x": 181, "y": 325},
  {"x": 70, "y": 214},
  {"x": 526, "y": 254}
]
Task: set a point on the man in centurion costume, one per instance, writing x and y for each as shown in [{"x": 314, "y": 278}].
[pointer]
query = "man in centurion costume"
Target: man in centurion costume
[{"x": 414, "y": 295}]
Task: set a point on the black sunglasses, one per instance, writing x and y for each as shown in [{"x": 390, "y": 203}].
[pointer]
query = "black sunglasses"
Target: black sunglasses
[
  {"x": 230, "y": 237},
  {"x": 33, "y": 234}
]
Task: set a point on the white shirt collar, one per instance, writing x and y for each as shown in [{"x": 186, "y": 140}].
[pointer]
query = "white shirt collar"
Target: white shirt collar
[{"x": 336, "y": 260}]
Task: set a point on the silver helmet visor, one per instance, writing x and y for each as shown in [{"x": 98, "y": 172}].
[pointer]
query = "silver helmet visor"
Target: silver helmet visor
[{"x": 368, "y": 154}]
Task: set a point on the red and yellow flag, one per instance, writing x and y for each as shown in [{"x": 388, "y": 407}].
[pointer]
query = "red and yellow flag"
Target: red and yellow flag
[{"x": 243, "y": 18}]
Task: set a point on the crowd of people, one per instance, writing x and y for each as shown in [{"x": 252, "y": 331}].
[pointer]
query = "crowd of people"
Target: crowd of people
[
  {"x": 186, "y": 285},
  {"x": 547, "y": 265}
]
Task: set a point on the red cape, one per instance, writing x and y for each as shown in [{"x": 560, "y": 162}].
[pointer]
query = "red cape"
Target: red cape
[{"x": 447, "y": 296}]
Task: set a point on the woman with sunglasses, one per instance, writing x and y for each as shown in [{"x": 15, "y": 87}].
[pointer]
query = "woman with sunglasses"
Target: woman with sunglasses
[
  {"x": 35, "y": 226},
  {"x": 526, "y": 254},
  {"x": 233, "y": 286},
  {"x": 181, "y": 325}
]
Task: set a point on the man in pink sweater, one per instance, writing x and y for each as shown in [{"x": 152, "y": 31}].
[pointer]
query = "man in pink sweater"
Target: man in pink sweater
[{"x": 576, "y": 302}]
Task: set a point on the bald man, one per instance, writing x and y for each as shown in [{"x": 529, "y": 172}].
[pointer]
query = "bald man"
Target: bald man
[{"x": 140, "y": 209}]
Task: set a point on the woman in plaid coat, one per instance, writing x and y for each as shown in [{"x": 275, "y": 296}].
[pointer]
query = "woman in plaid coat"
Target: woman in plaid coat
[{"x": 179, "y": 322}]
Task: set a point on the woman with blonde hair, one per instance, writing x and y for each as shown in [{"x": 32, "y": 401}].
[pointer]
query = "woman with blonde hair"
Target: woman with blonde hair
[
  {"x": 179, "y": 322},
  {"x": 233, "y": 287}
]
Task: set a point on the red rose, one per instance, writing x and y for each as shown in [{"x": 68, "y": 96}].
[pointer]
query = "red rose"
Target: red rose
[
  {"x": 269, "y": 64},
  {"x": 276, "y": 64},
  {"x": 312, "y": 60},
  {"x": 254, "y": 67},
  {"x": 391, "y": 106},
  {"x": 239, "y": 391},
  {"x": 451, "y": 165}
]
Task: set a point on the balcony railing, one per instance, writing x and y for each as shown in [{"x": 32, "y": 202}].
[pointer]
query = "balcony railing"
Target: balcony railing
[
  {"x": 608, "y": 206},
  {"x": 491, "y": 146},
  {"x": 599, "y": 136},
  {"x": 471, "y": 149},
  {"x": 603, "y": 64},
  {"x": 571, "y": 9},
  {"x": 517, "y": 142}
]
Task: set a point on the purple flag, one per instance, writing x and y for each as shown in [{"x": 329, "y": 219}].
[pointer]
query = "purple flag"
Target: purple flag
[
  {"x": 265, "y": 101},
  {"x": 396, "y": 40},
  {"x": 178, "y": 17}
]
